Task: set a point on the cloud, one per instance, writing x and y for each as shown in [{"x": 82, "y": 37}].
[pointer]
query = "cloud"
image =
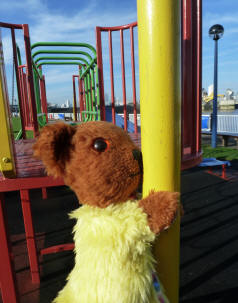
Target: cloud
[
  {"x": 49, "y": 25},
  {"x": 210, "y": 18},
  {"x": 229, "y": 22},
  {"x": 7, "y": 49},
  {"x": 60, "y": 75}
]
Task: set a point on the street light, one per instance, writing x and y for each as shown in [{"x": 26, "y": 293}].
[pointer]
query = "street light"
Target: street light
[{"x": 215, "y": 32}]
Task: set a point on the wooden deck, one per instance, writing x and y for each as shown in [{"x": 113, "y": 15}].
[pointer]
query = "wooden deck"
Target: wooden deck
[{"x": 26, "y": 165}]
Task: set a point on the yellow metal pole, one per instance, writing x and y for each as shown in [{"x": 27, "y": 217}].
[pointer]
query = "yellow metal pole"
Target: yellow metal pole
[
  {"x": 7, "y": 164},
  {"x": 160, "y": 101}
]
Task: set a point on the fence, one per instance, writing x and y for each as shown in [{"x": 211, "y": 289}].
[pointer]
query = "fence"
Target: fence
[{"x": 225, "y": 124}]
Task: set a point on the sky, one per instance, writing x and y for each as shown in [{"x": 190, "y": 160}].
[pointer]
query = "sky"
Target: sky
[
  {"x": 224, "y": 12},
  {"x": 75, "y": 21}
]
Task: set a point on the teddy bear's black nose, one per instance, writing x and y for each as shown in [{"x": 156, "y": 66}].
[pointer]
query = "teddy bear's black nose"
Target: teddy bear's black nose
[
  {"x": 138, "y": 157},
  {"x": 137, "y": 154}
]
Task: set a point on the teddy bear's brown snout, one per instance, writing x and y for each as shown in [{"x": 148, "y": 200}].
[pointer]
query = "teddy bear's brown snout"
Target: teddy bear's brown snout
[{"x": 138, "y": 157}]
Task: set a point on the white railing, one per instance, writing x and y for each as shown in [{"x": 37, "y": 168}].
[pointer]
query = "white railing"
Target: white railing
[
  {"x": 225, "y": 123},
  {"x": 131, "y": 118}
]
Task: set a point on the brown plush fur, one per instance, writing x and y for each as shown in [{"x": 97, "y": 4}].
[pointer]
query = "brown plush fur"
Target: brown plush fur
[
  {"x": 161, "y": 208},
  {"x": 101, "y": 178}
]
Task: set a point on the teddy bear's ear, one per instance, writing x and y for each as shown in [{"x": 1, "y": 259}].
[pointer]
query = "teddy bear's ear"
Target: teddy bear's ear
[{"x": 53, "y": 147}]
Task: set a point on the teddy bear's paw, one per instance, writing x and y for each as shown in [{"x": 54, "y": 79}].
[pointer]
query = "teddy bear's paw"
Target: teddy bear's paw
[{"x": 161, "y": 209}]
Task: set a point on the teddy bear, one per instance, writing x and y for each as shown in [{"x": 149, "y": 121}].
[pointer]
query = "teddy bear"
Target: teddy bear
[{"x": 114, "y": 232}]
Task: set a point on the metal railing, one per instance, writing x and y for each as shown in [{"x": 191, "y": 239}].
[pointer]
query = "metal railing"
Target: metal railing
[
  {"x": 225, "y": 124},
  {"x": 121, "y": 30},
  {"x": 27, "y": 121},
  {"x": 29, "y": 74}
]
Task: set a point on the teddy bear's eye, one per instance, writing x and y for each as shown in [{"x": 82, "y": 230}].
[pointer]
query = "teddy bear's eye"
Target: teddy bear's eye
[{"x": 100, "y": 144}]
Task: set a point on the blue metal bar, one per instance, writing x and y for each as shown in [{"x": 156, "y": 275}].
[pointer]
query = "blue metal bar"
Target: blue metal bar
[{"x": 214, "y": 113}]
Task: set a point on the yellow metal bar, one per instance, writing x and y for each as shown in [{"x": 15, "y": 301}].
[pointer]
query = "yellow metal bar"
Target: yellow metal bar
[
  {"x": 160, "y": 101},
  {"x": 7, "y": 164}
]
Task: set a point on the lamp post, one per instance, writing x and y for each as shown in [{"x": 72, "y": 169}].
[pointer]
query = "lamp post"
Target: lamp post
[{"x": 215, "y": 32}]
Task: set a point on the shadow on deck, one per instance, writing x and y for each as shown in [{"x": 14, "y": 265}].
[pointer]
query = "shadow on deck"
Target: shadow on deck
[{"x": 209, "y": 239}]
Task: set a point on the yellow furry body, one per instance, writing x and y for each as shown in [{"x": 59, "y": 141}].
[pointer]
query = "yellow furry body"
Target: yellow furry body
[{"x": 113, "y": 261}]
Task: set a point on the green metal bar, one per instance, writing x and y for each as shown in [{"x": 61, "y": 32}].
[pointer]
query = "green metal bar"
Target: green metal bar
[
  {"x": 90, "y": 115},
  {"x": 90, "y": 112},
  {"x": 93, "y": 91},
  {"x": 83, "y": 88},
  {"x": 91, "y": 65},
  {"x": 86, "y": 97},
  {"x": 35, "y": 67},
  {"x": 37, "y": 92},
  {"x": 89, "y": 93},
  {"x": 18, "y": 55},
  {"x": 85, "y": 45},
  {"x": 62, "y": 52},
  {"x": 86, "y": 71},
  {"x": 61, "y": 58},
  {"x": 41, "y": 74},
  {"x": 58, "y": 63},
  {"x": 42, "y": 119},
  {"x": 19, "y": 135}
]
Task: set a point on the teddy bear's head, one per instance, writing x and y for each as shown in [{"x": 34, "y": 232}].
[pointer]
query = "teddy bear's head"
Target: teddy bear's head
[{"x": 98, "y": 160}]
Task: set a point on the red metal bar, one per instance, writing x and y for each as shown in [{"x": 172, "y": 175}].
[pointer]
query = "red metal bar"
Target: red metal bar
[
  {"x": 18, "y": 82},
  {"x": 57, "y": 248},
  {"x": 99, "y": 54},
  {"x": 223, "y": 175},
  {"x": 10, "y": 25},
  {"x": 30, "y": 79},
  {"x": 93, "y": 96},
  {"x": 44, "y": 193},
  {"x": 223, "y": 172},
  {"x": 133, "y": 79},
  {"x": 199, "y": 75},
  {"x": 187, "y": 75},
  {"x": 116, "y": 28},
  {"x": 95, "y": 90},
  {"x": 25, "y": 97},
  {"x": 191, "y": 83},
  {"x": 81, "y": 101},
  {"x": 30, "y": 235},
  {"x": 26, "y": 101},
  {"x": 74, "y": 97},
  {"x": 84, "y": 97},
  {"x": 23, "y": 114},
  {"x": 7, "y": 274},
  {"x": 194, "y": 56},
  {"x": 123, "y": 79},
  {"x": 111, "y": 77},
  {"x": 100, "y": 73},
  {"x": 182, "y": 73},
  {"x": 7, "y": 185}
]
